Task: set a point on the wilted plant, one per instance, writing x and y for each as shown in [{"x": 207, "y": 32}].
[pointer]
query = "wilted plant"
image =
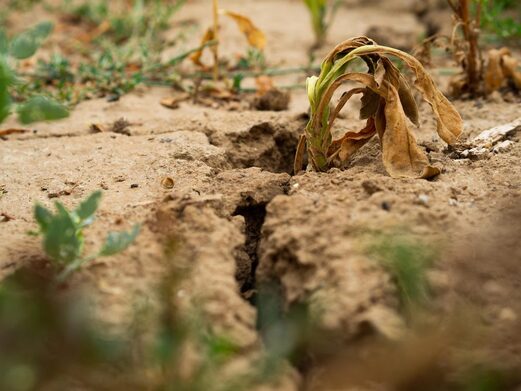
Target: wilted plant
[
  {"x": 21, "y": 47},
  {"x": 256, "y": 38},
  {"x": 63, "y": 237},
  {"x": 480, "y": 76},
  {"x": 322, "y": 13},
  {"x": 387, "y": 104}
]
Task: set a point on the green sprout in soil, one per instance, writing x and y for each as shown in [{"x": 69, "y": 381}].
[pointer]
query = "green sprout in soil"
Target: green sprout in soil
[
  {"x": 63, "y": 236},
  {"x": 322, "y": 13},
  {"x": 12, "y": 50},
  {"x": 387, "y": 106}
]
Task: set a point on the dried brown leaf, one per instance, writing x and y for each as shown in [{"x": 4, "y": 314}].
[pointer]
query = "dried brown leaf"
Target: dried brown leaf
[
  {"x": 370, "y": 103},
  {"x": 344, "y": 148},
  {"x": 173, "y": 102},
  {"x": 208, "y": 36},
  {"x": 402, "y": 157},
  {"x": 254, "y": 35},
  {"x": 494, "y": 74},
  {"x": 394, "y": 76},
  {"x": 449, "y": 122},
  {"x": 379, "y": 119},
  {"x": 7, "y": 132},
  {"x": 510, "y": 69},
  {"x": 299, "y": 156},
  {"x": 263, "y": 83}
]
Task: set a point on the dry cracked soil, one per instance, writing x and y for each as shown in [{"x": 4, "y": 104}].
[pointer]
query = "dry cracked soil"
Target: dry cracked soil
[{"x": 241, "y": 221}]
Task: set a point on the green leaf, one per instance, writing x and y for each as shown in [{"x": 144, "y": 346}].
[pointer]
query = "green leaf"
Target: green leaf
[
  {"x": 85, "y": 211},
  {"x": 61, "y": 242},
  {"x": 39, "y": 108},
  {"x": 5, "y": 104},
  {"x": 118, "y": 241},
  {"x": 25, "y": 44},
  {"x": 4, "y": 43},
  {"x": 43, "y": 30},
  {"x": 6, "y": 79},
  {"x": 43, "y": 217}
]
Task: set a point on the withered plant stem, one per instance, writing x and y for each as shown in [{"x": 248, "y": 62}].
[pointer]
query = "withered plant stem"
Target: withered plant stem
[
  {"x": 470, "y": 27},
  {"x": 215, "y": 48}
]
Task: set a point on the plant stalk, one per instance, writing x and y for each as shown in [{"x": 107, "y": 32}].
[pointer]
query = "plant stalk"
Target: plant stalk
[{"x": 215, "y": 48}]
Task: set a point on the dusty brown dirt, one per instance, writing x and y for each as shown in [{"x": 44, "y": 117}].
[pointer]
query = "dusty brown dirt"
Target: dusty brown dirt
[{"x": 239, "y": 219}]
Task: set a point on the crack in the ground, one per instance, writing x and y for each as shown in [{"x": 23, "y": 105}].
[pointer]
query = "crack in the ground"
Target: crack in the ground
[{"x": 254, "y": 217}]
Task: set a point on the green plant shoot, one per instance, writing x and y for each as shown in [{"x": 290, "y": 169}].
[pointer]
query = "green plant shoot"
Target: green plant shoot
[{"x": 63, "y": 237}]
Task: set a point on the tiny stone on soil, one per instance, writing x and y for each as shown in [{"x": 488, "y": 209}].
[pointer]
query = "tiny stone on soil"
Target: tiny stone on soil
[
  {"x": 508, "y": 315},
  {"x": 134, "y": 186},
  {"x": 423, "y": 199}
]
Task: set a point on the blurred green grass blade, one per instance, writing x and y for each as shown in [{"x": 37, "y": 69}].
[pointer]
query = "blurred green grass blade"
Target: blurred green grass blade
[
  {"x": 39, "y": 108},
  {"x": 25, "y": 44},
  {"x": 6, "y": 79},
  {"x": 119, "y": 241}
]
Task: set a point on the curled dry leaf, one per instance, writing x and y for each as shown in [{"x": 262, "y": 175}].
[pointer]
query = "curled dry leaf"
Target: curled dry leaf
[
  {"x": 7, "y": 132},
  {"x": 501, "y": 68},
  {"x": 264, "y": 84},
  {"x": 387, "y": 103},
  {"x": 402, "y": 157},
  {"x": 253, "y": 34},
  {"x": 494, "y": 75},
  {"x": 173, "y": 102},
  {"x": 208, "y": 36}
]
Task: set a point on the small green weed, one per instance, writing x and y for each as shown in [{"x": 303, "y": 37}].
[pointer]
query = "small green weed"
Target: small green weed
[
  {"x": 63, "y": 237},
  {"x": 21, "y": 47}
]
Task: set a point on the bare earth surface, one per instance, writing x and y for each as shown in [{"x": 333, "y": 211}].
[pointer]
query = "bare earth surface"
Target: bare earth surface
[{"x": 234, "y": 205}]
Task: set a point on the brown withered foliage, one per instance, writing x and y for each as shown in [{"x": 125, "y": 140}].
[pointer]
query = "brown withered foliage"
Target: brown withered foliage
[
  {"x": 481, "y": 75},
  {"x": 388, "y": 106}
]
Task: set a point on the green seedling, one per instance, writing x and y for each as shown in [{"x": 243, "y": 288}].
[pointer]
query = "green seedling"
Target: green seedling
[
  {"x": 63, "y": 236},
  {"x": 21, "y": 47},
  {"x": 387, "y": 105},
  {"x": 322, "y": 13}
]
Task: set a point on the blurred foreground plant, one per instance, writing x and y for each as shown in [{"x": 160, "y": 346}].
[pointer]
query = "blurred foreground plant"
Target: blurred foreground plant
[
  {"x": 63, "y": 237},
  {"x": 387, "y": 105},
  {"x": 21, "y": 47}
]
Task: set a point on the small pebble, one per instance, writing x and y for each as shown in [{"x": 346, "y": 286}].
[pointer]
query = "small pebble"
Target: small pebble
[
  {"x": 507, "y": 314},
  {"x": 167, "y": 182},
  {"x": 386, "y": 206},
  {"x": 423, "y": 199},
  {"x": 134, "y": 186}
]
